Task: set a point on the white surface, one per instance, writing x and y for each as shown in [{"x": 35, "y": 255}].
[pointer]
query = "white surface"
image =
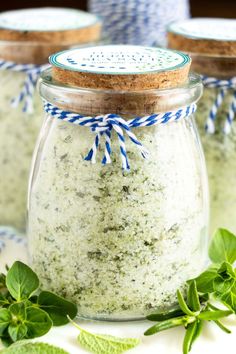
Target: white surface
[
  {"x": 212, "y": 341},
  {"x": 120, "y": 59}
]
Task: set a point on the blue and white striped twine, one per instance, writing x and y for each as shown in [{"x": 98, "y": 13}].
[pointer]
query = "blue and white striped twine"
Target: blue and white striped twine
[
  {"x": 224, "y": 87},
  {"x": 9, "y": 234},
  {"x": 140, "y": 22},
  {"x": 103, "y": 125},
  {"x": 32, "y": 72}
]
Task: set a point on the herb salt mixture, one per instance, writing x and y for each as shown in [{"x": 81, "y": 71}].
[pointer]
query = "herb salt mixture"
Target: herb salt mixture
[
  {"x": 117, "y": 243},
  {"x": 18, "y": 133},
  {"x": 100, "y": 238}
]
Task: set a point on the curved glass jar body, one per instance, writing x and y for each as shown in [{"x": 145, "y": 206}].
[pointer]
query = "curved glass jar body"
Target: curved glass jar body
[
  {"x": 18, "y": 130},
  {"x": 219, "y": 148},
  {"x": 119, "y": 244}
]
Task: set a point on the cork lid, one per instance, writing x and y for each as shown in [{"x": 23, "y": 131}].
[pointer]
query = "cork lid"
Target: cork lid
[
  {"x": 213, "y": 36},
  {"x": 50, "y": 25},
  {"x": 29, "y": 36},
  {"x": 120, "y": 67}
]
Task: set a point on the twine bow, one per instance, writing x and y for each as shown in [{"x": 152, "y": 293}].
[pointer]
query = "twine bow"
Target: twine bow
[{"x": 104, "y": 124}]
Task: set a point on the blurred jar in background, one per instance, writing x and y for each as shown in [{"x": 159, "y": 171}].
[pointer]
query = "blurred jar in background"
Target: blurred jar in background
[
  {"x": 212, "y": 44},
  {"x": 27, "y": 38},
  {"x": 138, "y": 21}
]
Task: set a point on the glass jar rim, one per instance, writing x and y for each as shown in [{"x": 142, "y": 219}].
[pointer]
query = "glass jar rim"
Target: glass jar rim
[
  {"x": 46, "y": 78},
  {"x": 212, "y": 65},
  {"x": 102, "y": 101}
]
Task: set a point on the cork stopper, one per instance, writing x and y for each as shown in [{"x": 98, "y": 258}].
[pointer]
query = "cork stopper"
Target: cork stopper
[
  {"x": 31, "y": 35},
  {"x": 120, "y": 67},
  {"x": 211, "y": 36}
]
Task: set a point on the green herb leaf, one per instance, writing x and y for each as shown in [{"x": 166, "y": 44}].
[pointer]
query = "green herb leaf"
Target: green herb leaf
[
  {"x": 184, "y": 307},
  {"x": 223, "y": 247},
  {"x": 192, "y": 297},
  {"x": 222, "y": 286},
  {"x": 5, "y": 319},
  {"x": 226, "y": 271},
  {"x": 17, "y": 311},
  {"x": 33, "y": 348},
  {"x": 205, "y": 280},
  {"x": 17, "y": 331},
  {"x": 58, "y": 308},
  {"x": 192, "y": 332},
  {"x": 37, "y": 321},
  {"x": 214, "y": 315},
  {"x": 162, "y": 316},
  {"x": 3, "y": 288},
  {"x": 221, "y": 326},
  {"x": 21, "y": 281},
  {"x": 171, "y": 323},
  {"x": 104, "y": 344},
  {"x": 229, "y": 298}
]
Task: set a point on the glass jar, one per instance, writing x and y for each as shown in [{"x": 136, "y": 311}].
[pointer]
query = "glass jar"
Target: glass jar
[
  {"x": 212, "y": 46},
  {"x": 119, "y": 244},
  {"x": 18, "y": 134},
  {"x": 219, "y": 148},
  {"x": 19, "y": 129}
]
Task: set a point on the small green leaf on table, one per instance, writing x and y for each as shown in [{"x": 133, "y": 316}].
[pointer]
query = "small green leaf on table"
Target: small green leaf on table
[
  {"x": 214, "y": 315},
  {"x": 192, "y": 332},
  {"x": 21, "y": 281},
  {"x": 5, "y": 319},
  {"x": 184, "y": 307},
  {"x": 25, "y": 347},
  {"x": 104, "y": 344},
  {"x": 37, "y": 321},
  {"x": 205, "y": 280},
  {"x": 57, "y": 307},
  {"x": 223, "y": 247},
  {"x": 17, "y": 331},
  {"x": 192, "y": 297}
]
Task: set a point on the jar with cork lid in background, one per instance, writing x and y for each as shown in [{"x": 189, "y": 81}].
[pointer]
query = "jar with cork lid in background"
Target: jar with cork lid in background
[
  {"x": 212, "y": 45},
  {"x": 27, "y": 38}
]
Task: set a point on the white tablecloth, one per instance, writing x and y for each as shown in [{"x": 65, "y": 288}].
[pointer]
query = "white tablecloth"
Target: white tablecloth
[{"x": 213, "y": 340}]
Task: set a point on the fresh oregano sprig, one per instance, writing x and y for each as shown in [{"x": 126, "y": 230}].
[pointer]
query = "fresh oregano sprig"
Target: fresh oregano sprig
[
  {"x": 26, "y": 312},
  {"x": 220, "y": 278},
  {"x": 218, "y": 282}
]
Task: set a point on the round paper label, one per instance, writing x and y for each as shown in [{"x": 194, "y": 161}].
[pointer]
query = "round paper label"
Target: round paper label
[
  {"x": 46, "y": 19},
  {"x": 206, "y": 28},
  {"x": 119, "y": 59}
]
